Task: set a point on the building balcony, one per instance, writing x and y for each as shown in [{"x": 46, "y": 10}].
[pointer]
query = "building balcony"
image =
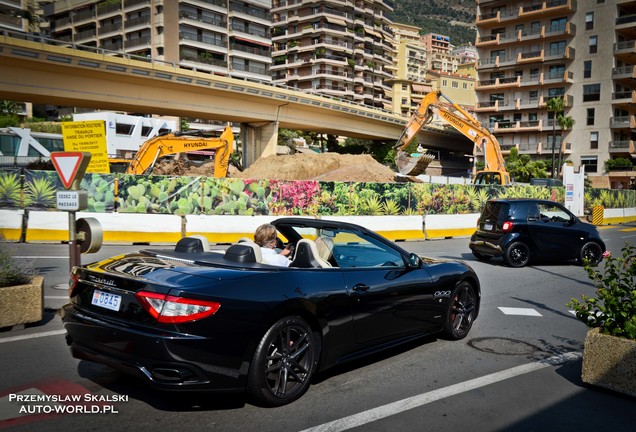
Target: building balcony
[
  {"x": 622, "y": 146},
  {"x": 625, "y": 51},
  {"x": 137, "y": 42},
  {"x": 499, "y": 83},
  {"x": 623, "y": 122},
  {"x": 11, "y": 22},
  {"x": 530, "y": 56},
  {"x": 626, "y": 74},
  {"x": 626, "y": 22},
  {"x": 523, "y": 104},
  {"x": 130, "y": 5},
  {"x": 523, "y": 13},
  {"x": 547, "y": 8},
  {"x": 518, "y": 126},
  {"x": 626, "y": 98}
]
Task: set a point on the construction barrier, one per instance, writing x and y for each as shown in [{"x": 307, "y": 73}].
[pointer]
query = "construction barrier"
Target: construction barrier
[
  {"x": 11, "y": 224},
  {"x": 441, "y": 226},
  {"x": 130, "y": 228},
  {"x": 616, "y": 216}
]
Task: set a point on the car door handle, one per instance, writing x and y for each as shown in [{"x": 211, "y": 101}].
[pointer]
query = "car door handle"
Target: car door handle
[{"x": 361, "y": 287}]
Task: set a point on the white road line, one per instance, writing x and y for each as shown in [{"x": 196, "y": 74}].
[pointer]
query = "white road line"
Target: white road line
[
  {"x": 32, "y": 336},
  {"x": 400, "y": 406},
  {"x": 520, "y": 311},
  {"x": 40, "y": 257}
]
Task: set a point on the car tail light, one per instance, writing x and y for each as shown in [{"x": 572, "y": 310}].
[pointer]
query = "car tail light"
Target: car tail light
[
  {"x": 507, "y": 226},
  {"x": 73, "y": 280},
  {"x": 171, "y": 309}
]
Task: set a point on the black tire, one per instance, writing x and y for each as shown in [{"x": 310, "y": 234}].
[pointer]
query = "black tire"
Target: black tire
[
  {"x": 481, "y": 257},
  {"x": 461, "y": 312},
  {"x": 517, "y": 255},
  {"x": 591, "y": 253},
  {"x": 283, "y": 363}
]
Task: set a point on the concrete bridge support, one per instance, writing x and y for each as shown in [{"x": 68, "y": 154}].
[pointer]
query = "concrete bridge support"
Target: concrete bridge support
[{"x": 259, "y": 140}]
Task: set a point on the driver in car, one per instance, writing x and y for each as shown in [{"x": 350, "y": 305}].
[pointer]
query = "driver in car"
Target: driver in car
[{"x": 265, "y": 236}]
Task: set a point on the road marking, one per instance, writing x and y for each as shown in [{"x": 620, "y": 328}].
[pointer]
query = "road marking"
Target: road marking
[
  {"x": 400, "y": 406},
  {"x": 32, "y": 336},
  {"x": 40, "y": 257},
  {"x": 520, "y": 311}
]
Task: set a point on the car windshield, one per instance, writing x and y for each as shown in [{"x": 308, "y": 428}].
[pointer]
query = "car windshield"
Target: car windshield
[{"x": 352, "y": 249}]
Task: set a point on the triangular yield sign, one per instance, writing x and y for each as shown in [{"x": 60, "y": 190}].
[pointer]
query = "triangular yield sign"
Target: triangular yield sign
[{"x": 67, "y": 165}]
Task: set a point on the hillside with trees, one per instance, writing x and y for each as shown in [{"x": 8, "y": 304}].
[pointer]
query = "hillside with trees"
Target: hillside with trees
[{"x": 454, "y": 18}]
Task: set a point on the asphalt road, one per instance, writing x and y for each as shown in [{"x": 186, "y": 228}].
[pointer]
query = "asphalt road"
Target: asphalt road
[{"x": 518, "y": 370}]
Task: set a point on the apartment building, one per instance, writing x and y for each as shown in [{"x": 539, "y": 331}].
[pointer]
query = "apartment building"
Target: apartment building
[
  {"x": 581, "y": 50},
  {"x": 408, "y": 70},
  {"x": 225, "y": 37},
  {"x": 339, "y": 48}
]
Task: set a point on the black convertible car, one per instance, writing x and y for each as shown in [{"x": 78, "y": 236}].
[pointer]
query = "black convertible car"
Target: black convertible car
[{"x": 189, "y": 318}]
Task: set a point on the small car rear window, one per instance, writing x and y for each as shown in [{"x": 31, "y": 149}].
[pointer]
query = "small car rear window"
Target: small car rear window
[{"x": 495, "y": 210}]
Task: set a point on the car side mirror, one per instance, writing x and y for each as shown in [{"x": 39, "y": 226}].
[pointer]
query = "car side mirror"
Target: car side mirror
[{"x": 415, "y": 261}]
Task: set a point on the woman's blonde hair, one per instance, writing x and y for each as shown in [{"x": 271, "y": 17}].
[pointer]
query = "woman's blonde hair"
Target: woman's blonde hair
[{"x": 265, "y": 234}]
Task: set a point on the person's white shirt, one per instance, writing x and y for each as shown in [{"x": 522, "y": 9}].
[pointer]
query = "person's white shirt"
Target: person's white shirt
[{"x": 270, "y": 256}]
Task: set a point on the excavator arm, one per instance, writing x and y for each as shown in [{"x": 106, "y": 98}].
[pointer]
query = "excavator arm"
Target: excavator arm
[
  {"x": 173, "y": 143},
  {"x": 466, "y": 124}
]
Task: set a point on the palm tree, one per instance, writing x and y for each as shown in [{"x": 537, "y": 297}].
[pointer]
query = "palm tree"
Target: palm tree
[
  {"x": 566, "y": 122},
  {"x": 555, "y": 106}
]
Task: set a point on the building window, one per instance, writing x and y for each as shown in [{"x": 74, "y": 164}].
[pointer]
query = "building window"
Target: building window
[
  {"x": 590, "y": 163},
  {"x": 587, "y": 69},
  {"x": 589, "y": 21},
  {"x": 591, "y": 92},
  {"x": 594, "y": 140},
  {"x": 444, "y": 83},
  {"x": 455, "y": 84},
  {"x": 593, "y": 44},
  {"x": 556, "y": 71},
  {"x": 556, "y": 92},
  {"x": 465, "y": 86},
  {"x": 590, "y": 116}
]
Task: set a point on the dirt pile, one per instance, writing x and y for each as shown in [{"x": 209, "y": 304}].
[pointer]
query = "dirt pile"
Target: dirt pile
[
  {"x": 320, "y": 166},
  {"x": 299, "y": 166}
]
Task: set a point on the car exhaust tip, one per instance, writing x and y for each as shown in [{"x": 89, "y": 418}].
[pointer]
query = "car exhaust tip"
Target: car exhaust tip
[{"x": 170, "y": 375}]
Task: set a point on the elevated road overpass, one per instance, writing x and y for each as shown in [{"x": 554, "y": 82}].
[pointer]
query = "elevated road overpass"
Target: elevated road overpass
[{"x": 46, "y": 71}]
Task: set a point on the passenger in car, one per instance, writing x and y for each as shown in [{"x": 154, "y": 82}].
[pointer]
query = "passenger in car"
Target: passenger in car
[{"x": 265, "y": 236}]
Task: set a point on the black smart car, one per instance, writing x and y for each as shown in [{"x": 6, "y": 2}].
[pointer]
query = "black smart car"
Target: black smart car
[{"x": 521, "y": 230}]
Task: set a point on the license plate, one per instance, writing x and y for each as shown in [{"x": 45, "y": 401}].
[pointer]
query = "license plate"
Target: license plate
[
  {"x": 106, "y": 300},
  {"x": 488, "y": 227}
]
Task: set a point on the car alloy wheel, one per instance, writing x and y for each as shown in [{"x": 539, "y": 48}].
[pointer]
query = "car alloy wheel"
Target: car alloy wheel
[
  {"x": 517, "y": 255},
  {"x": 283, "y": 363},
  {"x": 461, "y": 314},
  {"x": 591, "y": 253}
]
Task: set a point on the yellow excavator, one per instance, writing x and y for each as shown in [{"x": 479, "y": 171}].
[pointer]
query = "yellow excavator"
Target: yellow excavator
[
  {"x": 414, "y": 164},
  {"x": 180, "y": 142}
]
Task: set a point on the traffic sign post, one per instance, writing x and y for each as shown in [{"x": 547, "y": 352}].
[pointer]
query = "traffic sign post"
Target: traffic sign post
[{"x": 71, "y": 167}]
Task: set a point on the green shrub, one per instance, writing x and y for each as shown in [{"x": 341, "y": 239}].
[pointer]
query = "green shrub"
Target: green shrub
[
  {"x": 12, "y": 271},
  {"x": 614, "y": 309}
]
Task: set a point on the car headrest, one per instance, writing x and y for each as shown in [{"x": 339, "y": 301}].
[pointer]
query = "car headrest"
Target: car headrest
[
  {"x": 251, "y": 243},
  {"x": 191, "y": 244},
  {"x": 307, "y": 255},
  {"x": 241, "y": 253}
]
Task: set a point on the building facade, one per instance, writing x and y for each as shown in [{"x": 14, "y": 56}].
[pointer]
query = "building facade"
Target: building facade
[
  {"x": 339, "y": 48},
  {"x": 225, "y": 37},
  {"x": 583, "y": 51}
]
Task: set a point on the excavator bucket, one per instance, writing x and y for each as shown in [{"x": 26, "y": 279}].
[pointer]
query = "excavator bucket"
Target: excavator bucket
[{"x": 413, "y": 164}]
